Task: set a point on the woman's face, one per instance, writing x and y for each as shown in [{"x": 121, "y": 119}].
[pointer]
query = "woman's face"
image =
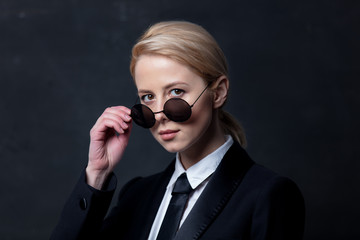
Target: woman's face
[{"x": 158, "y": 79}]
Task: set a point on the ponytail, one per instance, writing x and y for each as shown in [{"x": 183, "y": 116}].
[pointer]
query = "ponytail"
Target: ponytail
[{"x": 232, "y": 127}]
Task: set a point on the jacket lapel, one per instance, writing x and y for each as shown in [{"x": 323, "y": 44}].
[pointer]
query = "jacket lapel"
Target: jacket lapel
[
  {"x": 154, "y": 199},
  {"x": 220, "y": 188}
]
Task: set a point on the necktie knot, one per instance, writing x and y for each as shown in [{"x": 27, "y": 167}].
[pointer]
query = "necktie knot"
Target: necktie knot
[{"x": 182, "y": 185}]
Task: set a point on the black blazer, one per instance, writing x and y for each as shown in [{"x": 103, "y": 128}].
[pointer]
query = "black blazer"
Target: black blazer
[{"x": 242, "y": 200}]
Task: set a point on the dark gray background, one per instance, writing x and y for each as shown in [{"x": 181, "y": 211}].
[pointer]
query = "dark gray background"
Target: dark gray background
[{"x": 294, "y": 72}]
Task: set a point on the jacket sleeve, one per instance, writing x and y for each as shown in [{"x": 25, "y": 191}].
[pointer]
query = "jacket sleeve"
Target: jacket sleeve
[
  {"x": 85, "y": 210},
  {"x": 279, "y": 212}
]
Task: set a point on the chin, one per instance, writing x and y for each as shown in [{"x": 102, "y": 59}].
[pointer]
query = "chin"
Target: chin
[{"x": 171, "y": 146}]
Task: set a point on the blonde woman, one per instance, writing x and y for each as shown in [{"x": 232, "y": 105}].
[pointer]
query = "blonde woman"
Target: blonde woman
[{"x": 211, "y": 189}]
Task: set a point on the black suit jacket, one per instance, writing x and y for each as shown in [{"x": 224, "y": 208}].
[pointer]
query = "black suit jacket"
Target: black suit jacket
[{"x": 242, "y": 200}]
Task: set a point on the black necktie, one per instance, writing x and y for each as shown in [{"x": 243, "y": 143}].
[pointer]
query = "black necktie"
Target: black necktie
[{"x": 180, "y": 196}]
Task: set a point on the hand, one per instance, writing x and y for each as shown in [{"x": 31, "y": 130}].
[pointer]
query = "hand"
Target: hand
[{"x": 108, "y": 140}]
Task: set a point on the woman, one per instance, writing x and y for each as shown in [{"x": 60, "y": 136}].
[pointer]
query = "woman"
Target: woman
[{"x": 182, "y": 80}]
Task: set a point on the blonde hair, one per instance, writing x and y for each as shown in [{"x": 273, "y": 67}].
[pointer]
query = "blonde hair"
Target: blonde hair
[{"x": 192, "y": 46}]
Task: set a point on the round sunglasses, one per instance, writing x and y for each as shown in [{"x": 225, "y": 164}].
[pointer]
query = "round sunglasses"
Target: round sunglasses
[{"x": 175, "y": 109}]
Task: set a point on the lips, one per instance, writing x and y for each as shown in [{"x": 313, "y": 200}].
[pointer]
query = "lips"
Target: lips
[{"x": 167, "y": 135}]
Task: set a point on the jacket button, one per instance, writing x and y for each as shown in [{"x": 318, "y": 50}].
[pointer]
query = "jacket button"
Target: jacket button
[{"x": 83, "y": 204}]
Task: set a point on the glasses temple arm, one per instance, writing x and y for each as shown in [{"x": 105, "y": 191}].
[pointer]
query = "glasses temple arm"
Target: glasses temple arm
[{"x": 200, "y": 95}]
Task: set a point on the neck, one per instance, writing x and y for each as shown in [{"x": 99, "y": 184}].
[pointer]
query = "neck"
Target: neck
[{"x": 211, "y": 140}]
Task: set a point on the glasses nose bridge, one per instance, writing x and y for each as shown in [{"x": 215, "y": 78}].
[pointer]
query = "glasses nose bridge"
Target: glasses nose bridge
[
  {"x": 158, "y": 112},
  {"x": 159, "y": 106},
  {"x": 160, "y": 115}
]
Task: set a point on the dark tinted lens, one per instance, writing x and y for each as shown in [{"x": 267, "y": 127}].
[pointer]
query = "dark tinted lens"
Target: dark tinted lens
[
  {"x": 177, "y": 110},
  {"x": 142, "y": 115}
]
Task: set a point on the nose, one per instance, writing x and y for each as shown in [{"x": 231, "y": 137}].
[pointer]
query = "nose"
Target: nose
[{"x": 159, "y": 114}]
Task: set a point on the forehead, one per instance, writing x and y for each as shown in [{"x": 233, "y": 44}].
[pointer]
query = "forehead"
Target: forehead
[{"x": 154, "y": 71}]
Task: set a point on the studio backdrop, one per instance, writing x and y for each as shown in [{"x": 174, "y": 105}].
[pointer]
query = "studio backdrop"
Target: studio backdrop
[{"x": 294, "y": 80}]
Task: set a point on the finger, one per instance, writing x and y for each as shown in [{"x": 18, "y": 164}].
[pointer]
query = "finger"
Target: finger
[
  {"x": 122, "y": 108},
  {"x": 100, "y": 130},
  {"x": 120, "y": 111},
  {"x": 110, "y": 123},
  {"x": 121, "y": 119}
]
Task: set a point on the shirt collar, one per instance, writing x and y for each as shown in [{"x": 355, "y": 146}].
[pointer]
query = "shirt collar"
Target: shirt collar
[{"x": 203, "y": 169}]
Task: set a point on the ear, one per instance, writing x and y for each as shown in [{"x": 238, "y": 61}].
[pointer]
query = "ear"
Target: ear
[{"x": 220, "y": 90}]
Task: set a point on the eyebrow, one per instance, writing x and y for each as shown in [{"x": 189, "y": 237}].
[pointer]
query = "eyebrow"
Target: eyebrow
[{"x": 170, "y": 85}]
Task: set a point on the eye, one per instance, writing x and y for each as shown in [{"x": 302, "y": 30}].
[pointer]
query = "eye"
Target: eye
[
  {"x": 176, "y": 92},
  {"x": 147, "y": 98}
]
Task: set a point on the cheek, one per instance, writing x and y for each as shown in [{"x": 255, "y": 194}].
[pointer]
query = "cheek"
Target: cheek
[
  {"x": 203, "y": 110},
  {"x": 201, "y": 116},
  {"x": 153, "y": 131}
]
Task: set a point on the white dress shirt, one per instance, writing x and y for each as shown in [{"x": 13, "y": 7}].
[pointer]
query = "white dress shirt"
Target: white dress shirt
[{"x": 198, "y": 175}]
